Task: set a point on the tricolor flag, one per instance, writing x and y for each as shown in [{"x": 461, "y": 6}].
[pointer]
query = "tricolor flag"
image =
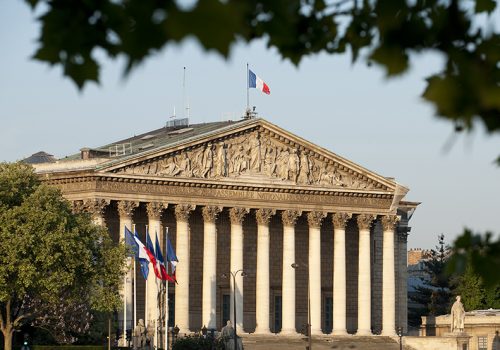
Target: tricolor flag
[
  {"x": 151, "y": 253},
  {"x": 255, "y": 82},
  {"x": 161, "y": 262},
  {"x": 139, "y": 250},
  {"x": 171, "y": 257}
]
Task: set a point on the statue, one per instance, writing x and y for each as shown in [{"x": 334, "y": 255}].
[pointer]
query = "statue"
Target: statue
[
  {"x": 227, "y": 334},
  {"x": 150, "y": 335},
  {"x": 457, "y": 316},
  {"x": 139, "y": 335}
]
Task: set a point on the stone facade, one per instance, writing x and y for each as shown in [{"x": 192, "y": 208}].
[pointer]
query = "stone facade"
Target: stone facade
[{"x": 229, "y": 191}]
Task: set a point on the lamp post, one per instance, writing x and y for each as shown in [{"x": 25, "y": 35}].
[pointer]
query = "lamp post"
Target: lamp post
[
  {"x": 400, "y": 334},
  {"x": 309, "y": 336},
  {"x": 234, "y": 274}
]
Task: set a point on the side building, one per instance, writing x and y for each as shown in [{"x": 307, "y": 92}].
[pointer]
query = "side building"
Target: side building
[{"x": 251, "y": 196}]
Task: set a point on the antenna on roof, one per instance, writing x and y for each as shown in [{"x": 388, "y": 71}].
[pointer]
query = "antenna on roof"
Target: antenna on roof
[
  {"x": 185, "y": 100},
  {"x": 173, "y": 115}
]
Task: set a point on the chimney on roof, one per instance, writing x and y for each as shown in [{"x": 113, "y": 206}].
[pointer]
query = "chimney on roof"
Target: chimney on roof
[{"x": 85, "y": 153}]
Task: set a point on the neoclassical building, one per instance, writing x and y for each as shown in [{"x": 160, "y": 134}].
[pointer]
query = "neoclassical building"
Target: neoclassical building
[{"x": 248, "y": 195}]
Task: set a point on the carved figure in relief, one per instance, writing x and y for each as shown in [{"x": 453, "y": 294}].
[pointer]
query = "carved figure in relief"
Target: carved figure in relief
[
  {"x": 185, "y": 166},
  {"x": 293, "y": 166},
  {"x": 169, "y": 167},
  {"x": 240, "y": 161},
  {"x": 220, "y": 159},
  {"x": 255, "y": 159},
  {"x": 270, "y": 161},
  {"x": 208, "y": 160},
  {"x": 282, "y": 163},
  {"x": 305, "y": 169}
]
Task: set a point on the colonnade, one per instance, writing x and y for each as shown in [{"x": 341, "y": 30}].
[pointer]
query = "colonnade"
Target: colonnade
[{"x": 288, "y": 292}]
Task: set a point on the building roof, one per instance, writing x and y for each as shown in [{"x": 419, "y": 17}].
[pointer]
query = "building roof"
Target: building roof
[
  {"x": 39, "y": 157},
  {"x": 173, "y": 132}
]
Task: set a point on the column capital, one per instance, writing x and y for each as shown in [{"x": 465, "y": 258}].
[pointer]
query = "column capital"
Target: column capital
[
  {"x": 264, "y": 215},
  {"x": 77, "y": 207},
  {"x": 182, "y": 211},
  {"x": 96, "y": 206},
  {"x": 154, "y": 209},
  {"x": 340, "y": 220},
  {"x": 389, "y": 222},
  {"x": 365, "y": 221},
  {"x": 314, "y": 218},
  {"x": 289, "y": 217},
  {"x": 126, "y": 208},
  {"x": 237, "y": 215},
  {"x": 210, "y": 213}
]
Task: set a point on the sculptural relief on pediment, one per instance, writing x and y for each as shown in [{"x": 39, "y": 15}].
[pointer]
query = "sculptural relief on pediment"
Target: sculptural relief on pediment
[{"x": 253, "y": 155}]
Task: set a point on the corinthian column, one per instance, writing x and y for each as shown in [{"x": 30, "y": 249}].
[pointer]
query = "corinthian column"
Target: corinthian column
[
  {"x": 154, "y": 211},
  {"x": 388, "y": 277},
  {"x": 262, "y": 281},
  {"x": 339, "y": 274},
  {"x": 236, "y": 215},
  {"x": 289, "y": 218},
  {"x": 96, "y": 208},
  {"x": 209, "y": 298},
  {"x": 364, "y": 278},
  {"x": 314, "y": 219},
  {"x": 182, "y": 212},
  {"x": 125, "y": 211}
]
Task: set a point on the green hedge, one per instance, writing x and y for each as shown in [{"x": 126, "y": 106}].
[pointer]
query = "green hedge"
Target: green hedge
[{"x": 68, "y": 347}]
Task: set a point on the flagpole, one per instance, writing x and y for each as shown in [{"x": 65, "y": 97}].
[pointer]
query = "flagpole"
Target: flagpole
[
  {"x": 135, "y": 290},
  {"x": 166, "y": 291},
  {"x": 146, "y": 316},
  {"x": 248, "y": 95},
  {"x": 125, "y": 300}
]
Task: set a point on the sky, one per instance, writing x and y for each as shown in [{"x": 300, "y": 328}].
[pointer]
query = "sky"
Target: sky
[{"x": 352, "y": 110}]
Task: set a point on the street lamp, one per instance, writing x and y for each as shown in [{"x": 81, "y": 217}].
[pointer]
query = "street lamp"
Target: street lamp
[
  {"x": 400, "y": 334},
  {"x": 309, "y": 336},
  {"x": 234, "y": 274}
]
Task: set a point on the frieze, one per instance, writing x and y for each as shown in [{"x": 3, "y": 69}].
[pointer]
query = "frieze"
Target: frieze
[
  {"x": 218, "y": 193},
  {"x": 253, "y": 154}
]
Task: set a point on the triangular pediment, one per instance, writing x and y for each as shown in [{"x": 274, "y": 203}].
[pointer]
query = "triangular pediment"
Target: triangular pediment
[{"x": 253, "y": 151}]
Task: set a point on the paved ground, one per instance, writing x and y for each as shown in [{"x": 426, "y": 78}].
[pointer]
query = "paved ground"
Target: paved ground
[{"x": 255, "y": 342}]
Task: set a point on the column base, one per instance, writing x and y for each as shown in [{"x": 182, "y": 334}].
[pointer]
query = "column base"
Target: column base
[
  {"x": 317, "y": 332},
  {"x": 339, "y": 332},
  {"x": 289, "y": 333},
  {"x": 364, "y": 332},
  {"x": 262, "y": 331},
  {"x": 388, "y": 333}
]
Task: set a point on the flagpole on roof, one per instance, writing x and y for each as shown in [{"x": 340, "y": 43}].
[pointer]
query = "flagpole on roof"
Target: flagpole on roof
[{"x": 135, "y": 290}]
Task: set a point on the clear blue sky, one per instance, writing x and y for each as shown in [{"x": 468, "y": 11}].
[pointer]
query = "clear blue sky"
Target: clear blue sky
[{"x": 351, "y": 110}]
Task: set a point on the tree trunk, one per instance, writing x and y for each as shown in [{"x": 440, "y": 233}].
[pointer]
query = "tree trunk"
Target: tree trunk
[{"x": 7, "y": 338}]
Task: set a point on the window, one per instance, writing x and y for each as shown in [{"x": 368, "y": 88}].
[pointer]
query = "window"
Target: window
[
  {"x": 328, "y": 314},
  {"x": 277, "y": 313},
  {"x": 482, "y": 342},
  {"x": 226, "y": 308}
]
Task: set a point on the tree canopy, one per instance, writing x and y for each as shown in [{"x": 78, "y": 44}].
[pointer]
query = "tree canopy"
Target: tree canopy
[
  {"x": 55, "y": 266},
  {"x": 383, "y": 32}
]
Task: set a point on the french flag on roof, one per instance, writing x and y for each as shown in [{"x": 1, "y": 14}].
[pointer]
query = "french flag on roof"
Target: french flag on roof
[{"x": 255, "y": 82}]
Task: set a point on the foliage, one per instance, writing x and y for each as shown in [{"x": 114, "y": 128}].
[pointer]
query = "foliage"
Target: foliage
[
  {"x": 384, "y": 32},
  {"x": 480, "y": 252},
  {"x": 470, "y": 287},
  {"x": 55, "y": 266},
  {"x": 198, "y": 342},
  {"x": 435, "y": 294},
  {"x": 68, "y": 347}
]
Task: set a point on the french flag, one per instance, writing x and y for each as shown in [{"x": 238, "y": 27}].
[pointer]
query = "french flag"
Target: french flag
[
  {"x": 255, "y": 82},
  {"x": 151, "y": 253},
  {"x": 140, "y": 251},
  {"x": 161, "y": 263}
]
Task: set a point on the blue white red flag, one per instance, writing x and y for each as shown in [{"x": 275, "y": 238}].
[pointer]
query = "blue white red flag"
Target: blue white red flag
[
  {"x": 151, "y": 253},
  {"x": 140, "y": 251},
  {"x": 171, "y": 258},
  {"x": 255, "y": 82},
  {"x": 160, "y": 262}
]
